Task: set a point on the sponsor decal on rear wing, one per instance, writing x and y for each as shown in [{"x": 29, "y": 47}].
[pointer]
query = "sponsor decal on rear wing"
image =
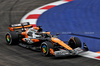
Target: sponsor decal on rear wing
[
  {"x": 19, "y": 25},
  {"x": 15, "y": 25}
]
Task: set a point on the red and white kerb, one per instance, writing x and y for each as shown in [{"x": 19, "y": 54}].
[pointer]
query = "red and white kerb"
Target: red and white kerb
[{"x": 34, "y": 14}]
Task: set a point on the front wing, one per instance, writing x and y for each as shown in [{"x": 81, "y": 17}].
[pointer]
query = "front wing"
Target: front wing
[{"x": 62, "y": 53}]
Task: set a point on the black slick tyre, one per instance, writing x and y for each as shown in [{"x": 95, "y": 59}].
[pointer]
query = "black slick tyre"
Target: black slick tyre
[
  {"x": 45, "y": 48},
  {"x": 11, "y": 38},
  {"x": 74, "y": 42}
]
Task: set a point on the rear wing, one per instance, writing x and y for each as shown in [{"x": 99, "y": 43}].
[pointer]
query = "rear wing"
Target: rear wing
[{"x": 19, "y": 26}]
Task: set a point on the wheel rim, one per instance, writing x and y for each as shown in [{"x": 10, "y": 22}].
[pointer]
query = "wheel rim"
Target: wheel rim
[
  {"x": 8, "y": 38},
  {"x": 44, "y": 49}
]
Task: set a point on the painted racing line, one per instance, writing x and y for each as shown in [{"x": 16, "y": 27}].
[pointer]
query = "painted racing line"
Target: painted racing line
[{"x": 33, "y": 16}]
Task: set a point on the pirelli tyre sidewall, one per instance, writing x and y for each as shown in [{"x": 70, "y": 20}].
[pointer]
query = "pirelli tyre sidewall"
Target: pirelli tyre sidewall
[
  {"x": 74, "y": 42},
  {"x": 45, "y": 48},
  {"x": 11, "y": 38}
]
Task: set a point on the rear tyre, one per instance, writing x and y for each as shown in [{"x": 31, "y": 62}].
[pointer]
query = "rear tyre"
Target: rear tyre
[
  {"x": 45, "y": 48},
  {"x": 11, "y": 38},
  {"x": 74, "y": 42}
]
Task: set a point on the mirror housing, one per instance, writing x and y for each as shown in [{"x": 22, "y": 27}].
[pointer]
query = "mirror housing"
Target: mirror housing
[{"x": 57, "y": 34}]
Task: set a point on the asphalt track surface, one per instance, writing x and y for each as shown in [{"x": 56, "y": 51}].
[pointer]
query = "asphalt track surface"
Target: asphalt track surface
[{"x": 11, "y": 11}]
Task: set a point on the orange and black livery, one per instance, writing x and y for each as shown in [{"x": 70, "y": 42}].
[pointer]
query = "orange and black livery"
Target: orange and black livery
[{"x": 45, "y": 42}]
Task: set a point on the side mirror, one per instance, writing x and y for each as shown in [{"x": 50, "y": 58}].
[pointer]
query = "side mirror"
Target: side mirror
[{"x": 57, "y": 34}]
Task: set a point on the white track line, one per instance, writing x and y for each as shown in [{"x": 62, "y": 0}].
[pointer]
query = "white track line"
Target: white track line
[{"x": 39, "y": 11}]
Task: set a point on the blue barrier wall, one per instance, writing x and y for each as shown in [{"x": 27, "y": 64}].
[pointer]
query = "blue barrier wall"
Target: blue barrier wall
[{"x": 81, "y": 17}]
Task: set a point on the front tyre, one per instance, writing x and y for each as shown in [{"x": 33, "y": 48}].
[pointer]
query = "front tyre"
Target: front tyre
[
  {"x": 45, "y": 48},
  {"x": 74, "y": 42}
]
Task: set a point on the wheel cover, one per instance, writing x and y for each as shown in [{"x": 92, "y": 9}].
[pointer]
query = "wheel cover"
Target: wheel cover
[
  {"x": 44, "y": 49},
  {"x": 8, "y": 38}
]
